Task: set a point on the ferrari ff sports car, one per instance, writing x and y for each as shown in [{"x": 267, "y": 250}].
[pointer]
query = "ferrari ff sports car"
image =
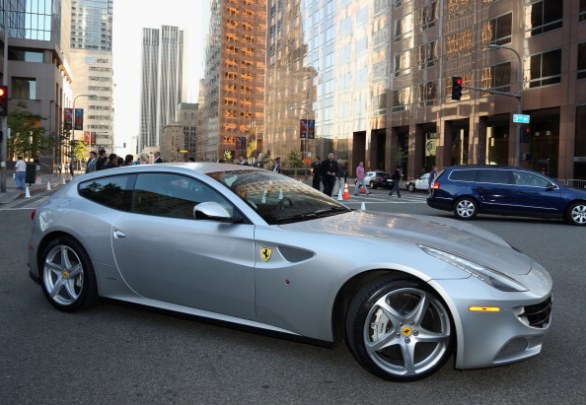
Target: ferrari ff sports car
[{"x": 251, "y": 247}]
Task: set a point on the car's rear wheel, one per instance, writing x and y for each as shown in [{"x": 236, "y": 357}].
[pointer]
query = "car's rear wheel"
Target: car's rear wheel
[
  {"x": 372, "y": 185},
  {"x": 399, "y": 329},
  {"x": 411, "y": 187},
  {"x": 465, "y": 208},
  {"x": 576, "y": 214},
  {"x": 68, "y": 278}
]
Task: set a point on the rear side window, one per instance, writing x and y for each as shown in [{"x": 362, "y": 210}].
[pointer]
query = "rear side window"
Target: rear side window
[
  {"x": 463, "y": 175},
  {"x": 112, "y": 191},
  {"x": 493, "y": 176}
]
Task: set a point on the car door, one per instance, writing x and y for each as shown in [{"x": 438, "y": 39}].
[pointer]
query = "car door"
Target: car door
[
  {"x": 166, "y": 255},
  {"x": 494, "y": 190},
  {"x": 535, "y": 194}
]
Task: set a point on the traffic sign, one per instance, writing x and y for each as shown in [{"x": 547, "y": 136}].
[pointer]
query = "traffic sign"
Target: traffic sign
[{"x": 521, "y": 118}]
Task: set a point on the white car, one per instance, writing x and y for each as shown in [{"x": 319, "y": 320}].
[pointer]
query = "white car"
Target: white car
[{"x": 420, "y": 183}]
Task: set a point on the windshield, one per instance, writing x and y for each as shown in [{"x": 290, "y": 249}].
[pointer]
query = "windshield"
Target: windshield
[{"x": 279, "y": 199}]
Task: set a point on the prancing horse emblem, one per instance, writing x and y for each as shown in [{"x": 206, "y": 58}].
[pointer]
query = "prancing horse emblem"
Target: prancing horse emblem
[{"x": 265, "y": 254}]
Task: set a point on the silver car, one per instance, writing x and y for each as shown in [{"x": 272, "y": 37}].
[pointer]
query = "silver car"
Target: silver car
[{"x": 252, "y": 247}]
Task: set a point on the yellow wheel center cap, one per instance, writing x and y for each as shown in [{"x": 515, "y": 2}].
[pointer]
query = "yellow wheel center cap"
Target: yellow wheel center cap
[
  {"x": 406, "y": 331},
  {"x": 65, "y": 274}
]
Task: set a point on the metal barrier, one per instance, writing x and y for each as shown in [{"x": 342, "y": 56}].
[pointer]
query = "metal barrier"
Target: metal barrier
[{"x": 575, "y": 183}]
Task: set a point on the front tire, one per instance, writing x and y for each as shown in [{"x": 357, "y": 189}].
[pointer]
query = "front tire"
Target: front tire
[
  {"x": 372, "y": 185},
  {"x": 576, "y": 214},
  {"x": 399, "y": 329},
  {"x": 67, "y": 275},
  {"x": 465, "y": 208},
  {"x": 411, "y": 187}
]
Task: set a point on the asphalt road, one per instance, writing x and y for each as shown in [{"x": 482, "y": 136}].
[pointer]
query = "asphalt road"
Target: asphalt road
[{"x": 120, "y": 354}]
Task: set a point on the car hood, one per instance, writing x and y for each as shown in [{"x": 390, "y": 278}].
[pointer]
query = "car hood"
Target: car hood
[{"x": 457, "y": 237}]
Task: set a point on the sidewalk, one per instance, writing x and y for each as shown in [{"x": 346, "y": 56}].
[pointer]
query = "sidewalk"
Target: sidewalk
[{"x": 41, "y": 185}]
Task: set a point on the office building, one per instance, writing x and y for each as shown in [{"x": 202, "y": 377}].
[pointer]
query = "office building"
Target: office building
[
  {"x": 161, "y": 82},
  {"x": 234, "y": 81}
]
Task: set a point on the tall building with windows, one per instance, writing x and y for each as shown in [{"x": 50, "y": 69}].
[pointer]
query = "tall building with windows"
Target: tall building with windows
[
  {"x": 91, "y": 62},
  {"x": 39, "y": 75},
  {"x": 161, "y": 82},
  {"x": 234, "y": 81},
  {"x": 377, "y": 78}
]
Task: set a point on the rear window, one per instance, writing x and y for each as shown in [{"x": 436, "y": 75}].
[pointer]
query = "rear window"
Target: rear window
[
  {"x": 493, "y": 176},
  {"x": 112, "y": 191},
  {"x": 463, "y": 175}
]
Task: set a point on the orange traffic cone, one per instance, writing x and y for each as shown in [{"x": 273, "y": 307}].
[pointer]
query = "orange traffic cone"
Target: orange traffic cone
[{"x": 346, "y": 195}]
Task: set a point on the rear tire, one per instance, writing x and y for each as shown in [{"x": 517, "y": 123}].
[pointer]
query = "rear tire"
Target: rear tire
[
  {"x": 372, "y": 185},
  {"x": 67, "y": 275},
  {"x": 411, "y": 187},
  {"x": 465, "y": 208},
  {"x": 399, "y": 330}
]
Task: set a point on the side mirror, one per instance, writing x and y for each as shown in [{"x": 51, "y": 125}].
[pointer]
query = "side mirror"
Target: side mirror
[
  {"x": 551, "y": 186},
  {"x": 210, "y": 210}
]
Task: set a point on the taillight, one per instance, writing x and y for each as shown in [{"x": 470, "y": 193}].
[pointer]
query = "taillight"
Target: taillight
[
  {"x": 33, "y": 213},
  {"x": 436, "y": 185}
]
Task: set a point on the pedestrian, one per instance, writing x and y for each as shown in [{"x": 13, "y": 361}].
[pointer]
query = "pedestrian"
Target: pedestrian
[
  {"x": 111, "y": 162},
  {"x": 102, "y": 159},
  {"x": 72, "y": 163},
  {"x": 128, "y": 160},
  {"x": 91, "y": 163},
  {"x": 242, "y": 161},
  {"x": 20, "y": 173},
  {"x": 360, "y": 179},
  {"x": 316, "y": 170},
  {"x": 396, "y": 181},
  {"x": 341, "y": 178},
  {"x": 329, "y": 169},
  {"x": 277, "y": 165},
  {"x": 60, "y": 168},
  {"x": 431, "y": 179},
  {"x": 158, "y": 158},
  {"x": 143, "y": 159}
]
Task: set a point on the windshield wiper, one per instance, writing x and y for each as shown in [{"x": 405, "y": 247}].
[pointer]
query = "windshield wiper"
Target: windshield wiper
[{"x": 313, "y": 215}]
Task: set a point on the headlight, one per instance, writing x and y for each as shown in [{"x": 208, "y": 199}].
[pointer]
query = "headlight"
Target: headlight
[{"x": 490, "y": 276}]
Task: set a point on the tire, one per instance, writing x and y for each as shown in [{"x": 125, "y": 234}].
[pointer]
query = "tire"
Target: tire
[
  {"x": 412, "y": 329},
  {"x": 465, "y": 208},
  {"x": 67, "y": 275},
  {"x": 372, "y": 185},
  {"x": 576, "y": 213},
  {"x": 411, "y": 187}
]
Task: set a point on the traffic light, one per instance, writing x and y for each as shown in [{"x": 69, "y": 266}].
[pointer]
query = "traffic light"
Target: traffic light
[
  {"x": 525, "y": 134},
  {"x": 3, "y": 101},
  {"x": 457, "y": 87}
]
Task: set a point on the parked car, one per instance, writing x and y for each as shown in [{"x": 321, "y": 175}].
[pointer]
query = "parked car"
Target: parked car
[
  {"x": 419, "y": 184},
  {"x": 470, "y": 190},
  {"x": 255, "y": 248},
  {"x": 377, "y": 178}
]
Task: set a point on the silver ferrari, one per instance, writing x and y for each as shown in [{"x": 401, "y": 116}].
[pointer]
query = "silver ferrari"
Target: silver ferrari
[{"x": 251, "y": 247}]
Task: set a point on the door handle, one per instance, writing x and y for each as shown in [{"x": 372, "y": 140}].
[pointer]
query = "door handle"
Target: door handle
[{"x": 119, "y": 234}]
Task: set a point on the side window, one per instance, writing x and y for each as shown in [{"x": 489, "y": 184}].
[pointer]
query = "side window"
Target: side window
[
  {"x": 463, "y": 175},
  {"x": 112, "y": 191},
  {"x": 529, "y": 179},
  {"x": 173, "y": 195},
  {"x": 493, "y": 176}
]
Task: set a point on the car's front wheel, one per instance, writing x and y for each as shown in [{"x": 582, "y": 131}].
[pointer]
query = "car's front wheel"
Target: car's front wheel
[
  {"x": 67, "y": 278},
  {"x": 372, "y": 185},
  {"x": 399, "y": 329},
  {"x": 411, "y": 187},
  {"x": 576, "y": 214},
  {"x": 465, "y": 208}
]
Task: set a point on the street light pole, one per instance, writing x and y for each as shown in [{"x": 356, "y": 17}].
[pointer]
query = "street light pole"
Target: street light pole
[
  {"x": 73, "y": 127},
  {"x": 518, "y": 96}
]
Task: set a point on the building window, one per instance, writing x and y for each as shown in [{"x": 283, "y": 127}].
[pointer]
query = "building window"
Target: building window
[
  {"x": 428, "y": 55},
  {"x": 582, "y": 60},
  {"x": 24, "y": 88},
  {"x": 25, "y": 56},
  {"x": 497, "y": 77},
  {"x": 545, "y": 68},
  {"x": 402, "y": 63},
  {"x": 459, "y": 44},
  {"x": 543, "y": 16},
  {"x": 427, "y": 93},
  {"x": 582, "y": 11},
  {"x": 428, "y": 16},
  {"x": 401, "y": 99},
  {"x": 403, "y": 27},
  {"x": 498, "y": 30}
]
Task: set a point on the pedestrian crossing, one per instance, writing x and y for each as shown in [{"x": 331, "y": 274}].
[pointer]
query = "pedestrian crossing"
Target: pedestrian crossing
[{"x": 383, "y": 197}]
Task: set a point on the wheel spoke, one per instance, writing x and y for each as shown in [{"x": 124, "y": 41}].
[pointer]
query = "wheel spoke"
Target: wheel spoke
[
  {"x": 70, "y": 288},
  {"x": 426, "y": 336},
  {"x": 388, "y": 340},
  {"x": 56, "y": 288},
  {"x": 65, "y": 257},
  {"x": 395, "y": 317},
  {"x": 408, "y": 351},
  {"x": 75, "y": 271},
  {"x": 420, "y": 309}
]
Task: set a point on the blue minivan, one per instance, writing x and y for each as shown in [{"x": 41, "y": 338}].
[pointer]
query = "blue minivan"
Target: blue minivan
[{"x": 504, "y": 190}]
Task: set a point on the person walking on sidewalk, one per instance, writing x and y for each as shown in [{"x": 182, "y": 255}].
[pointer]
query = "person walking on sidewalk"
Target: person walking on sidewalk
[
  {"x": 329, "y": 172},
  {"x": 360, "y": 179},
  {"x": 20, "y": 173},
  {"x": 396, "y": 180}
]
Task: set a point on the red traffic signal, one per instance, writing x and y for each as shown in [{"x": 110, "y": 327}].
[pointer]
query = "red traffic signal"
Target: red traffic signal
[
  {"x": 3, "y": 101},
  {"x": 457, "y": 82}
]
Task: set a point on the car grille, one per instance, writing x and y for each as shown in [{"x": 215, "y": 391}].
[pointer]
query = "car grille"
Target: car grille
[{"x": 538, "y": 315}]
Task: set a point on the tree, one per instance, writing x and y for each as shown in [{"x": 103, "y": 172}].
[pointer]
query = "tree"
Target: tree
[
  {"x": 294, "y": 161},
  {"x": 27, "y": 135}
]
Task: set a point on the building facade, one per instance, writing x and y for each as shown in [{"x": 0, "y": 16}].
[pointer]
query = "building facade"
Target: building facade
[
  {"x": 39, "y": 76},
  {"x": 161, "y": 82},
  {"x": 377, "y": 78},
  {"x": 91, "y": 63},
  {"x": 234, "y": 81}
]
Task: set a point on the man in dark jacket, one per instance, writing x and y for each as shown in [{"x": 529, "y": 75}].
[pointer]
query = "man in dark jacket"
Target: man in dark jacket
[
  {"x": 329, "y": 171},
  {"x": 396, "y": 180},
  {"x": 316, "y": 170},
  {"x": 102, "y": 159}
]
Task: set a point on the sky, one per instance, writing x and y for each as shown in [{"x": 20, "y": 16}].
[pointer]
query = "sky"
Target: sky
[{"x": 130, "y": 17}]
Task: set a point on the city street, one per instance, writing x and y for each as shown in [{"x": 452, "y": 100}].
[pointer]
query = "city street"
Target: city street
[{"x": 122, "y": 354}]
